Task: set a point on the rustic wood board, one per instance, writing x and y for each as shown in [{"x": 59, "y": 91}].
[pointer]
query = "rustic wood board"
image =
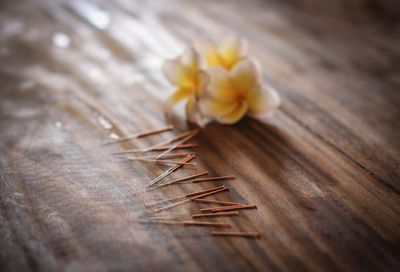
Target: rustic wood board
[{"x": 324, "y": 171}]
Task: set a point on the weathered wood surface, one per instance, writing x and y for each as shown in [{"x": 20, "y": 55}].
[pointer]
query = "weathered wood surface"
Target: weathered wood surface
[{"x": 324, "y": 171}]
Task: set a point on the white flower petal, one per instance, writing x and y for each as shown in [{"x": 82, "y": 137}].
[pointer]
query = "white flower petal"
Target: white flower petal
[
  {"x": 178, "y": 74},
  {"x": 190, "y": 59},
  {"x": 235, "y": 115},
  {"x": 262, "y": 100},
  {"x": 220, "y": 86},
  {"x": 203, "y": 81},
  {"x": 245, "y": 75},
  {"x": 208, "y": 52},
  {"x": 213, "y": 108},
  {"x": 179, "y": 95},
  {"x": 231, "y": 50}
]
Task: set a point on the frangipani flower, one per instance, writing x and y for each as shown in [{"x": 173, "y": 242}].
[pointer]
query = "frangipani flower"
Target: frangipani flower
[
  {"x": 219, "y": 82},
  {"x": 228, "y": 95},
  {"x": 226, "y": 54},
  {"x": 183, "y": 72}
]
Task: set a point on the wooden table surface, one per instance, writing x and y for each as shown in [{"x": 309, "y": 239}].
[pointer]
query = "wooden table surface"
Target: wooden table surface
[{"x": 324, "y": 171}]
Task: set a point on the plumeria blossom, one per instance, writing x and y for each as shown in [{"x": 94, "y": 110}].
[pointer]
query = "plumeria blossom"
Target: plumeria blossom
[
  {"x": 228, "y": 95},
  {"x": 225, "y": 54},
  {"x": 219, "y": 82},
  {"x": 183, "y": 72}
]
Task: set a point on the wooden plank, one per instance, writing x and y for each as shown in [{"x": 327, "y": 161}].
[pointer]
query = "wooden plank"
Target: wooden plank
[{"x": 323, "y": 172}]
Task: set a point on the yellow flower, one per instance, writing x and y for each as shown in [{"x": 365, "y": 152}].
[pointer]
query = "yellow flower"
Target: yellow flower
[
  {"x": 183, "y": 72},
  {"x": 226, "y": 54},
  {"x": 228, "y": 95},
  {"x": 219, "y": 82}
]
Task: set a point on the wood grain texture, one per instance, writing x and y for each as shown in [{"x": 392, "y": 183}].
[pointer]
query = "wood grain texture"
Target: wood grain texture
[{"x": 324, "y": 172}]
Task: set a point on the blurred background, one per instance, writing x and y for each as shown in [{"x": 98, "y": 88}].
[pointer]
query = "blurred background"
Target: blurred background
[{"x": 324, "y": 171}]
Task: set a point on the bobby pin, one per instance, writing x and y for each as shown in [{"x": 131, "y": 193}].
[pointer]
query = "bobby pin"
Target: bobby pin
[
  {"x": 172, "y": 147},
  {"x": 166, "y": 156},
  {"x": 238, "y": 207},
  {"x": 167, "y": 217},
  {"x": 185, "y": 196},
  {"x": 213, "y": 179},
  {"x": 176, "y": 155},
  {"x": 236, "y": 234},
  {"x": 180, "y": 146},
  {"x": 189, "y": 223},
  {"x": 181, "y": 142},
  {"x": 171, "y": 206},
  {"x": 154, "y": 131},
  {"x": 194, "y": 195},
  {"x": 150, "y": 148},
  {"x": 210, "y": 193},
  {"x": 207, "y": 224},
  {"x": 171, "y": 170},
  {"x": 141, "y": 134},
  {"x": 184, "y": 179},
  {"x": 200, "y": 215},
  {"x": 205, "y": 191},
  {"x": 161, "y": 148},
  {"x": 217, "y": 202},
  {"x": 179, "y": 137},
  {"x": 161, "y": 161},
  {"x": 158, "y": 203},
  {"x": 207, "y": 179},
  {"x": 177, "y": 213}
]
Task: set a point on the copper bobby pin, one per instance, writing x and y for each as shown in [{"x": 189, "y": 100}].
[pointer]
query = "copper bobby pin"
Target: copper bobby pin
[
  {"x": 184, "y": 196},
  {"x": 154, "y": 131},
  {"x": 213, "y": 179},
  {"x": 207, "y": 224},
  {"x": 165, "y": 218},
  {"x": 147, "y": 216},
  {"x": 173, "y": 139},
  {"x": 180, "y": 146},
  {"x": 222, "y": 203},
  {"x": 184, "y": 179},
  {"x": 171, "y": 170},
  {"x": 236, "y": 234},
  {"x": 175, "y": 155},
  {"x": 184, "y": 160},
  {"x": 162, "y": 161},
  {"x": 210, "y": 193},
  {"x": 205, "y": 191},
  {"x": 181, "y": 142},
  {"x": 161, "y": 148},
  {"x": 180, "y": 137},
  {"x": 199, "y": 215},
  {"x": 238, "y": 207},
  {"x": 168, "y": 156},
  {"x": 188, "y": 223},
  {"x": 171, "y": 206},
  {"x": 160, "y": 202},
  {"x": 141, "y": 134},
  {"x": 156, "y": 221},
  {"x": 183, "y": 135},
  {"x": 150, "y": 148}
]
